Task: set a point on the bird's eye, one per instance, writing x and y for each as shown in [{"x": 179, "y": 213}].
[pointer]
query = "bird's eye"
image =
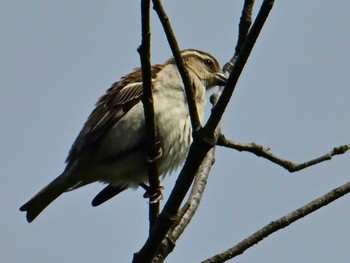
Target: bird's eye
[{"x": 209, "y": 63}]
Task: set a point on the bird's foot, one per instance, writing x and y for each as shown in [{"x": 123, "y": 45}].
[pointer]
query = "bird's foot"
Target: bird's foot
[
  {"x": 155, "y": 195},
  {"x": 157, "y": 155}
]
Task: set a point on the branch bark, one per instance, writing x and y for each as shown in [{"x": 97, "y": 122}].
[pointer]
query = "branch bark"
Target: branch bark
[
  {"x": 280, "y": 223},
  {"x": 192, "y": 106},
  {"x": 219, "y": 109},
  {"x": 147, "y": 100},
  {"x": 263, "y": 151},
  {"x": 188, "y": 209},
  {"x": 204, "y": 139},
  {"x": 243, "y": 29}
]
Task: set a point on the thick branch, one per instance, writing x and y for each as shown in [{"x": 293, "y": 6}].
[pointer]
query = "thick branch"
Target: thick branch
[
  {"x": 280, "y": 223},
  {"x": 147, "y": 100},
  {"x": 188, "y": 209},
  {"x": 264, "y": 152},
  {"x": 204, "y": 139},
  {"x": 169, "y": 213}
]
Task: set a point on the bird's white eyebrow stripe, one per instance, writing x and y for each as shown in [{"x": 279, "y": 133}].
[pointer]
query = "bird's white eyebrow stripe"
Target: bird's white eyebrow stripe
[{"x": 195, "y": 53}]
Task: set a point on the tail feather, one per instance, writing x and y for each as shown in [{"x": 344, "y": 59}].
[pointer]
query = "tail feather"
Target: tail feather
[
  {"x": 46, "y": 196},
  {"x": 107, "y": 193}
]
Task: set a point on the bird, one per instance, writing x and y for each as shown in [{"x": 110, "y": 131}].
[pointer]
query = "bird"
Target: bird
[{"x": 112, "y": 146}]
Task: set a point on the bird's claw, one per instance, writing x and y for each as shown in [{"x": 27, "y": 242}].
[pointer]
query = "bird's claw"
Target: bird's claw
[
  {"x": 154, "y": 196},
  {"x": 158, "y": 154}
]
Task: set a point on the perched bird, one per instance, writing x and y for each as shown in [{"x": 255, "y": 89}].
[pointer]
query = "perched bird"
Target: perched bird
[{"x": 111, "y": 147}]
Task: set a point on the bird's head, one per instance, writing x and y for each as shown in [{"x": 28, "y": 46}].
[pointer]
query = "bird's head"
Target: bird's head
[{"x": 205, "y": 67}]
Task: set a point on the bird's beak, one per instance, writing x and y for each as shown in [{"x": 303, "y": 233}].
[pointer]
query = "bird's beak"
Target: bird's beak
[{"x": 220, "y": 79}]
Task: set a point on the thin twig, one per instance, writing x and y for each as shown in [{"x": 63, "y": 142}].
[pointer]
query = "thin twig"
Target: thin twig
[
  {"x": 192, "y": 106},
  {"x": 219, "y": 109},
  {"x": 244, "y": 24},
  {"x": 147, "y": 100},
  {"x": 243, "y": 29},
  {"x": 280, "y": 223},
  {"x": 264, "y": 152}
]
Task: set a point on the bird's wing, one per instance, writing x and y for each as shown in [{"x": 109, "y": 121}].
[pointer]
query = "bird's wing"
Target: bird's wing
[{"x": 110, "y": 108}]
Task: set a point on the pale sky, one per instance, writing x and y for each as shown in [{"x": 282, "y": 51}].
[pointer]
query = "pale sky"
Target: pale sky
[{"x": 58, "y": 57}]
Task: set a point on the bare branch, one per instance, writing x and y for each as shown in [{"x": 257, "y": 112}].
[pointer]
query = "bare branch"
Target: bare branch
[
  {"x": 147, "y": 100},
  {"x": 280, "y": 223},
  {"x": 169, "y": 213},
  {"x": 264, "y": 152},
  {"x": 243, "y": 29},
  {"x": 188, "y": 209},
  {"x": 244, "y": 24},
  {"x": 192, "y": 106},
  {"x": 203, "y": 140},
  {"x": 218, "y": 110}
]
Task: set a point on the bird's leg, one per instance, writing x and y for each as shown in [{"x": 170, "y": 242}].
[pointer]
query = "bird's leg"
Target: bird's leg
[
  {"x": 157, "y": 154},
  {"x": 154, "y": 196},
  {"x": 154, "y": 193}
]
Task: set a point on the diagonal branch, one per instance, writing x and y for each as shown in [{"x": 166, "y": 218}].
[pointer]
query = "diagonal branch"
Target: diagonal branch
[
  {"x": 244, "y": 24},
  {"x": 264, "y": 152},
  {"x": 243, "y": 29},
  {"x": 192, "y": 106},
  {"x": 147, "y": 100},
  {"x": 188, "y": 209},
  {"x": 219, "y": 109},
  {"x": 280, "y": 223},
  {"x": 169, "y": 213},
  {"x": 203, "y": 141}
]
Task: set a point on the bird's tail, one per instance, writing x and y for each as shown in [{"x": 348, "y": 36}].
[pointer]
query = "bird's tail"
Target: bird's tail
[
  {"x": 47, "y": 195},
  {"x": 107, "y": 193}
]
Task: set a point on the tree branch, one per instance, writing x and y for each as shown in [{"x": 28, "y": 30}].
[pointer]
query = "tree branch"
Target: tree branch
[
  {"x": 244, "y": 24},
  {"x": 147, "y": 100},
  {"x": 188, "y": 209},
  {"x": 169, "y": 213},
  {"x": 280, "y": 223},
  {"x": 243, "y": 29},
  {"x": 264, "y": 152},
  {"x": 218, "y": 110},
  {"x": 192, "y": 106},
  {"x": 203, "y": 140}
]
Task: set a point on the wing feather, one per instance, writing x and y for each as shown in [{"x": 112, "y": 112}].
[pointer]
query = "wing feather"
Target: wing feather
[{"x": 110, "y": 108}]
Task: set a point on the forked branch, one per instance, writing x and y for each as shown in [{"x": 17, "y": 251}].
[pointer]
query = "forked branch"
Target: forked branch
[
  {"x": 264, "y": 152},
  {"x": 200, "y": 146}
]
